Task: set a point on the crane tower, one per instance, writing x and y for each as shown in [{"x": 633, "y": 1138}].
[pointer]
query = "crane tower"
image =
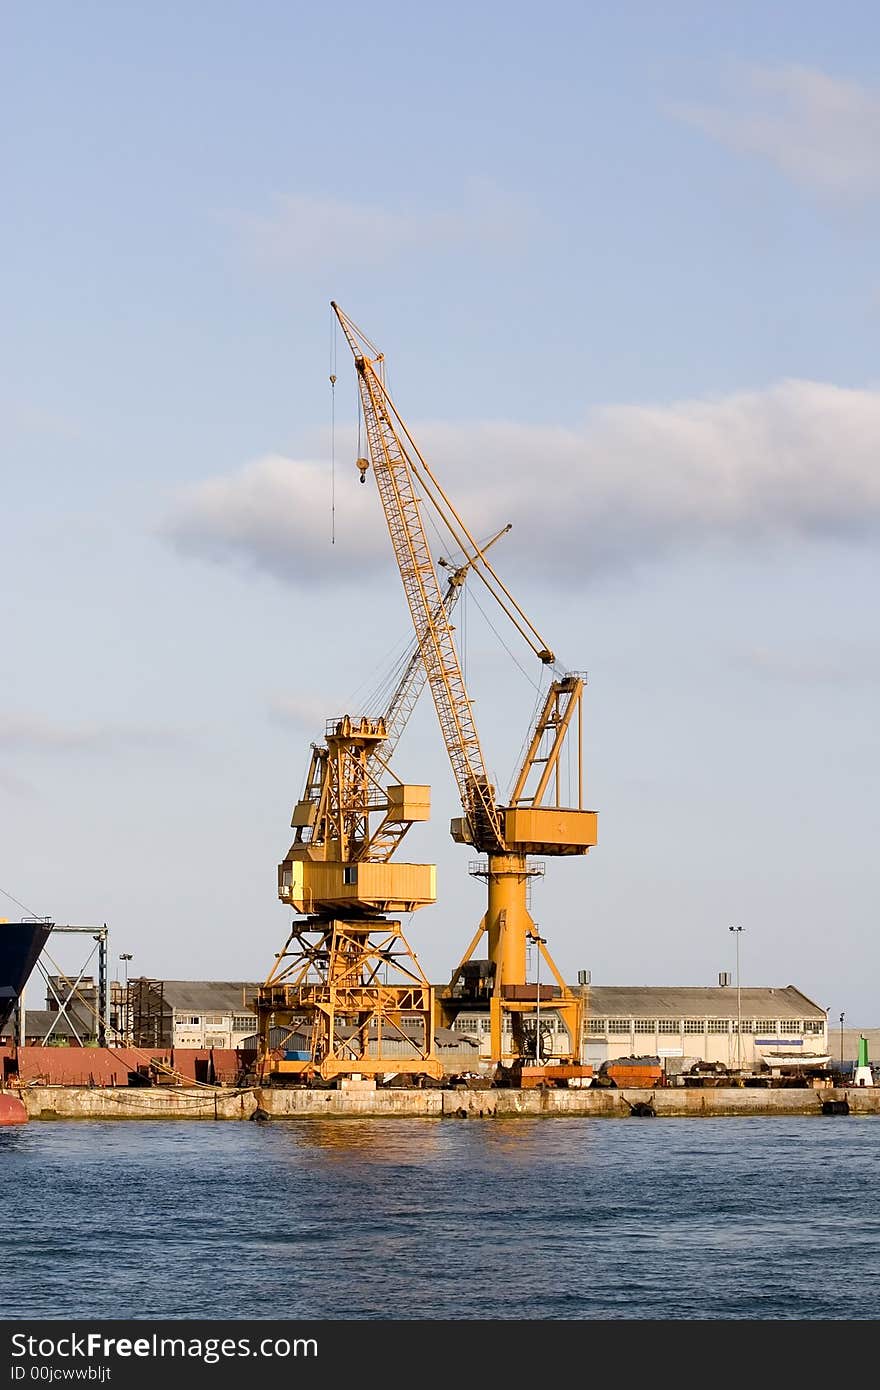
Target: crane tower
[
  {"x": 534, "y": 823},
  {"x": 346, "y": 994}
]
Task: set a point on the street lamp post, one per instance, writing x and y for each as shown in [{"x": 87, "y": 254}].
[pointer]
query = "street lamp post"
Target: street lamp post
[
  {"x": 842, "y": 1017},
  {"x": 584, "y": 977},
  {"x": 738, "y": 931},
  {"x": 125, "y": 957},
  {"x": 539, "y": 941}
]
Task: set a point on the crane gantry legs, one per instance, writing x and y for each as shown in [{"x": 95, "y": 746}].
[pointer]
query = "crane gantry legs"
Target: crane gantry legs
[
  {"x": 345, "y": 998},
  {"x": 498, "y": 981}
]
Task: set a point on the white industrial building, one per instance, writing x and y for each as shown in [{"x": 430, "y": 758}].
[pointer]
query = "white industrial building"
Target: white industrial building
[
  {"x": 753, "y": 1029},
  {"x": 210, "y": 1013}
]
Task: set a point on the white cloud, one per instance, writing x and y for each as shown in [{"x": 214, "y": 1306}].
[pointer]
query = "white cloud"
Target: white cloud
[
  {"x": 37, "y": 734},
  {"x": 822, "y": 132},
  {"x": 276, "y": 514},
  {"x": 303, "y": 711},
  {"x": 798, "y": 460},
  {"x": 312, "y": 232}
]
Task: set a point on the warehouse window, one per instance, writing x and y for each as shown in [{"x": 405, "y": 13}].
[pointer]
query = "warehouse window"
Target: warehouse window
[
  {"x": 719, "y": 1025},
  {"x": 646, "y": 1025},
  {"x": 669, "y": 1025},
  {"x": 594, "y": 1027},
  {"x": 619, "y": 1025},
  {"x": 214, "y": 1020},
  {"x": 194, "y": 1019},
  {"x": 244, "y": 1023},
  {"x": 465, "y": 1025},
  {"x": 765, "y": 1026},
  {"x": 694, "y": 1025},
  {"x": 814, "y": 1025},
  {"x": 485, "y": 1025},
  {"x": 748, "y": 1026},
  {"x": 790, "y": 1025}
]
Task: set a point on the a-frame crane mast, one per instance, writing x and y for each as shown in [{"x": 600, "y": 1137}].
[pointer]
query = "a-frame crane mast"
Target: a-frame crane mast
[{"x": 528, "y": 825}]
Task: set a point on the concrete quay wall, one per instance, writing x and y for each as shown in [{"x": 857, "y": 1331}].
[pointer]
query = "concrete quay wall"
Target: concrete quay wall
[
  {"x": 195, "y": 1103},
  {"x": 608, "y": 1104},
  {"x": 136, "y": 1103}
]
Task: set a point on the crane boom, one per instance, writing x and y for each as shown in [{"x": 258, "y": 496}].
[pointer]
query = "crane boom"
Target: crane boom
[
  {"x": 434, "y": 633},
  {"x": 446, "y": 512},
  {"x": 412, "y": 682}
]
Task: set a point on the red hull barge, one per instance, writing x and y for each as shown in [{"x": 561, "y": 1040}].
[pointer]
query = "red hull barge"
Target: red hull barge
[{"x": 12, "y": 1110}]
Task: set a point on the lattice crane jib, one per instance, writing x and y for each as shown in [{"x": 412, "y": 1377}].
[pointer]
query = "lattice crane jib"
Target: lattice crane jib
[
  {"x": 395, "y": 481},
  {"x": 406, "y": 695}
]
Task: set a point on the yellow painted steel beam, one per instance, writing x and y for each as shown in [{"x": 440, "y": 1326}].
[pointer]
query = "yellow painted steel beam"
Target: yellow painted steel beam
[
  {"x": 563, "y": 698},
  {"x": 343, "y": 999}
]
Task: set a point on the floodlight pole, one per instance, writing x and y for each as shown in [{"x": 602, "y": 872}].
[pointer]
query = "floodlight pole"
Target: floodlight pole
[{"x": 737, "y": 931}]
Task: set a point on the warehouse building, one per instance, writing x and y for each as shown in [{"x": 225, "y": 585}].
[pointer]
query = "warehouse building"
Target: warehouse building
[
  {"x": 210, "y": 1013},
  {"x": 147, "y": 1013},
  {"x": 752, "y": 1028}
]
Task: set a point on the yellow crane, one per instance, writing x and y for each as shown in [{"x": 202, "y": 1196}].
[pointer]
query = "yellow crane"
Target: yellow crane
[
  {"x": 534, "y": 822},
  {"x": 346, "y": 994}
]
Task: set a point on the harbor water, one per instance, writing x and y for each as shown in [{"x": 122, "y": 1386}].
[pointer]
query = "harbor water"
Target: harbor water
[{"x": 744, "y": 1218}]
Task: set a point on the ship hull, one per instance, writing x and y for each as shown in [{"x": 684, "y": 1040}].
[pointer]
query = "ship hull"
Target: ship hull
[
  {"x": 20, "y": 947},
  {"x": 12, "y": 1110}
]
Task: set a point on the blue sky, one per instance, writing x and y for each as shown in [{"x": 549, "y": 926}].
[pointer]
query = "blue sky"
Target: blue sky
[{"x": 622, "y": 261}]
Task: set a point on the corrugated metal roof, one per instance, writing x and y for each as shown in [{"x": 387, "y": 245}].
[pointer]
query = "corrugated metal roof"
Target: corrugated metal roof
[
  {"x": 719, "y": 1001},
  {"x": 39, "y": 1021},
  {"x": 210, "y": 996},
  {"x": 614, "y": 1001}
]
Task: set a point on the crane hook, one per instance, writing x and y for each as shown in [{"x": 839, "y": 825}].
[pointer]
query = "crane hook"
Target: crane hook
[{"x": 363, "y": 464}]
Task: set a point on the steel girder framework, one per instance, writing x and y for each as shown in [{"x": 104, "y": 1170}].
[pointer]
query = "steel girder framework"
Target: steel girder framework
[{"x": 346, "y": 990}]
